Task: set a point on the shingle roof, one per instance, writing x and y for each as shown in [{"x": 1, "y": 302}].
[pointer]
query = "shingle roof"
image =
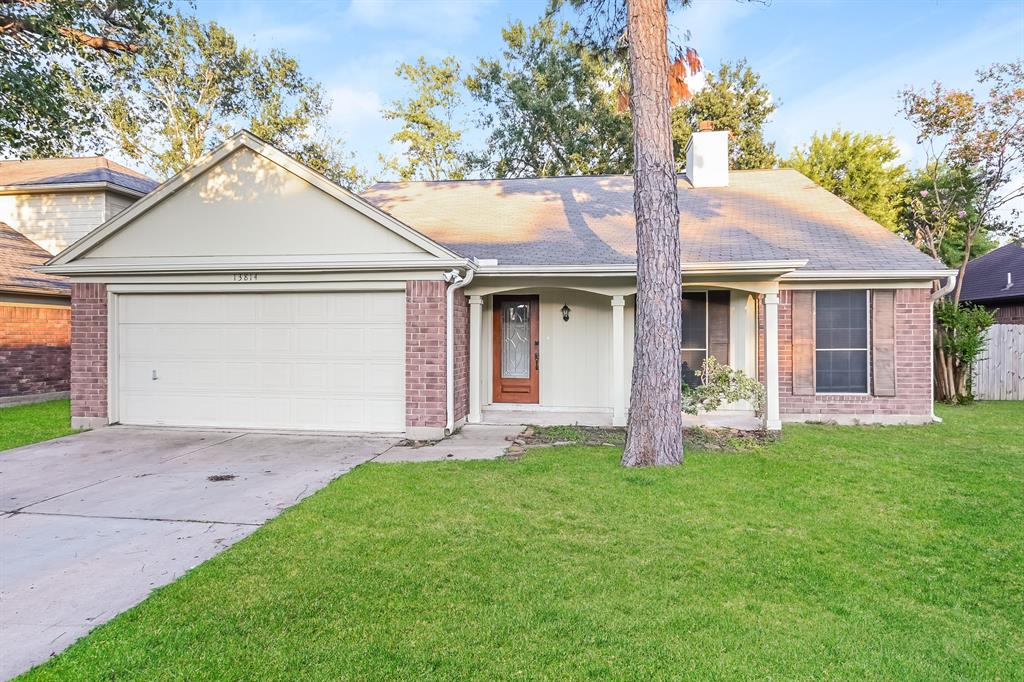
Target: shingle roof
[
  {"x": 762, "y": 215},
  {"x": 18, "y": 255},
  {"x": 985, "y": 277},
  {"x": 36, "y": 172}
]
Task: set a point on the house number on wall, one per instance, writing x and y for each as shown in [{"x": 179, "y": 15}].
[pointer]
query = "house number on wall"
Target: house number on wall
[{"x": 243, "y": 277}]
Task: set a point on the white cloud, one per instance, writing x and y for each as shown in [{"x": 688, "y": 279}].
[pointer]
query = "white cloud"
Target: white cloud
[
  {"x": 352, "y": 108},
  {"x": 434, "y": 18}
]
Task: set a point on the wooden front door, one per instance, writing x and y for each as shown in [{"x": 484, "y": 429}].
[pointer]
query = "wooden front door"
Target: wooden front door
[{"x": 516, "y": 349}]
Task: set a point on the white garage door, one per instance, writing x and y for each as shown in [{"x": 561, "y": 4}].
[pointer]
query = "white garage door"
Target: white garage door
[{"x": 316, "y": 361}]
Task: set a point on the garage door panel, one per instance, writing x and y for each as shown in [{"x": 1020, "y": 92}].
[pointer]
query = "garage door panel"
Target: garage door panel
[{"x": 323, "y": 361}]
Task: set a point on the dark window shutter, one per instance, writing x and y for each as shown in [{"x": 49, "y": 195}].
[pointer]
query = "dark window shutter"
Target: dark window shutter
[
  {"x": 883, "y": 342},
  {"x": 803, "y": 342},
  {"x": 718, "y": 325}
]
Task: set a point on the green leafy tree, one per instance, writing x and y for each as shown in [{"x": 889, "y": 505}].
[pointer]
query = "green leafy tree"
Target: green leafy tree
[
  {"x": 551, "y": 106},
  {"x": 972, "y": 176},
  {"x": 921, "y": 199},
  {"x": 192, "y": 87},
  {"x": 428, "y": 133},
  {"x": 734, "y": 99},
  {"x": 960, "y": 340},
  {"x": 50, "y": 50},
  {"x": 974, "y": 168},
  {"x": 860, "y": 169}
]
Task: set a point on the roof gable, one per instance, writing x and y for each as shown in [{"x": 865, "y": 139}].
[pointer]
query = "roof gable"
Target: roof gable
[{"x": 249, "y": 202}]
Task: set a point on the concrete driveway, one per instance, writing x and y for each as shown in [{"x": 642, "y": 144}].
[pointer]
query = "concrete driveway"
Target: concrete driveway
[{"x": 91, "y": 523}]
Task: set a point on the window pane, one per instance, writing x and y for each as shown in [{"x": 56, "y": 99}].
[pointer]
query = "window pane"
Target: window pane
[
  {"x": 692, "y": 361},
  {"x": 515, "y": 340},
  {"x": 841, "y": 319},
  {"x": 841, "y": 371},
  {"x": 694, "y": 319}
]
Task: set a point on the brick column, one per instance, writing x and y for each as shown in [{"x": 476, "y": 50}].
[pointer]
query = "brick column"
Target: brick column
[
  {"x": 88, "y": 356},
  {"x": 425, "y": 359}
]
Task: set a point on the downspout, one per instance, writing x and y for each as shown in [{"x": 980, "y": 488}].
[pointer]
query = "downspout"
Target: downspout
[
  {"x": 936, "y": 295},
  {"x": 455, "y": 281},
  {"x": 946, "y": 288}
]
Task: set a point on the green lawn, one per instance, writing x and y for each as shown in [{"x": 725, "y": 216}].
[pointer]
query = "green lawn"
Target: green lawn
[
  {"x": 853, "y": 553},
  {"x": 24, "y": 424}
]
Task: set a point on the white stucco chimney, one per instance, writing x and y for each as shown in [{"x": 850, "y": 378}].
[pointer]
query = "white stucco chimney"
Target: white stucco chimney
[{"x": 707, "y": 157}]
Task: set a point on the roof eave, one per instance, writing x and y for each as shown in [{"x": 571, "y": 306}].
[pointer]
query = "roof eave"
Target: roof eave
[
  {"x": 772, "y": 268},
  {"x": 64, "y": 187}
]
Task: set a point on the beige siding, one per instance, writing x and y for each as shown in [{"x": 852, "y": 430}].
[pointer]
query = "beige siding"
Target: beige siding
[
  {"x": 248, "y": 206},
  {"x": 53, "y": 220},
  {"x": 116, "y": 203},
  {"x": 575, "y": 356}
]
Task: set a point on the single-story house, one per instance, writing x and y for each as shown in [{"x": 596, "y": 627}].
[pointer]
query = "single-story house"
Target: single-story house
[
  {"x": 996, "y": 281},
  {"x": 250, "y": 291},
  {"x": 45, "y": 206},
  {"x": 35, "y": 314}
]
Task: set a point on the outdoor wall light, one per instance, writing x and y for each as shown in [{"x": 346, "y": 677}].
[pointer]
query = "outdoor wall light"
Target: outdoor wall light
[{"x": 565, "y": 312}]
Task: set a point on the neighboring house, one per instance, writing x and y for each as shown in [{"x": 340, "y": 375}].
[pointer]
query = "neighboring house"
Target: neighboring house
[
  {"x": 996, "y": 281},
  {"x": 251, "y": 292},
  {"x": 46, "y": 205},
  {"x": 55, "y": 202},
  {"x": 35, "y": 314}
]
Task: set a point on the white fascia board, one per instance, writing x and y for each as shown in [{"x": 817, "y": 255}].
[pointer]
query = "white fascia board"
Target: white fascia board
[
  {"x": 137, "y": 268},
  {"x": 774, "y": 268},
  {"x": 827, "y": 275},
  {"x": 246, "y": 139},
  {"x": 101, "y": 186}
]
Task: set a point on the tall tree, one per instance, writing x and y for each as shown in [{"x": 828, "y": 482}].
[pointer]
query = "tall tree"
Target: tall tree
[
  {"x": 974, "y": 165},
  {"x": 734, "y": 99},
  {"x": 950, "y": 246},
  {"x": 550, "y": 106},
  {"x": 49, "y": 51},
  {"x": 654, "y": 434},
  {"x": 972, "y": 176},
  {"x": 432, "y": 142},
  {"x": 195, "y": 85},
  {"x": 859, "y": 168}
]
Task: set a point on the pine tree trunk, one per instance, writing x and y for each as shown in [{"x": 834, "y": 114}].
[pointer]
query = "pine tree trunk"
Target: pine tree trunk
[{"x": 654, "y": 433}]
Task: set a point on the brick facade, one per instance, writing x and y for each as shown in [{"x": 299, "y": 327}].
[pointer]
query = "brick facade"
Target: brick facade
[
  {"x": 913, "y": 366},
  {"x": 35, "y": 349},
  {"x": 88, "y": 353},
  {"x": 425, "y": 354}
]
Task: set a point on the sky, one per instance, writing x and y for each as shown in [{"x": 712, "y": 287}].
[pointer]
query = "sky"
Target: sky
[{"x": 830, "y": 63}]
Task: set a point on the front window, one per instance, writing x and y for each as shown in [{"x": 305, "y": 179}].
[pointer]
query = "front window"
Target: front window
[
  {"x": 841, "y": 341},
  {"x": 695, "y": 335}
]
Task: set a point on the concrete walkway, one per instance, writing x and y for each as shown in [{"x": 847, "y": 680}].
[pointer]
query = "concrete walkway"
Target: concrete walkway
[
  {"x": 91, "y": 523},
  {"x": 473, "y": 441}
]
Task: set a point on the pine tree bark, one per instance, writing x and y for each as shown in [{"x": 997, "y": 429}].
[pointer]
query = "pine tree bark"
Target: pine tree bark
[{"x": 654, "y": 431}]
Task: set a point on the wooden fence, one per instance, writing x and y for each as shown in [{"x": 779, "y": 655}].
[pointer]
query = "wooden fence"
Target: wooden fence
[{"x": 999, "y": 375}]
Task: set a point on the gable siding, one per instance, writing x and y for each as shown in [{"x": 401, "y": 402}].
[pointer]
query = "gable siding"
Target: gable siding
[{"x": 247, "y": 206}]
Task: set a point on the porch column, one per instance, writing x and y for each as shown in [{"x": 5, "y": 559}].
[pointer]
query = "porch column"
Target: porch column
[
  {"x": 476, "y": 304},
  {"x": 771, "y": 359},
  {"x": 618, "y": 362}
]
